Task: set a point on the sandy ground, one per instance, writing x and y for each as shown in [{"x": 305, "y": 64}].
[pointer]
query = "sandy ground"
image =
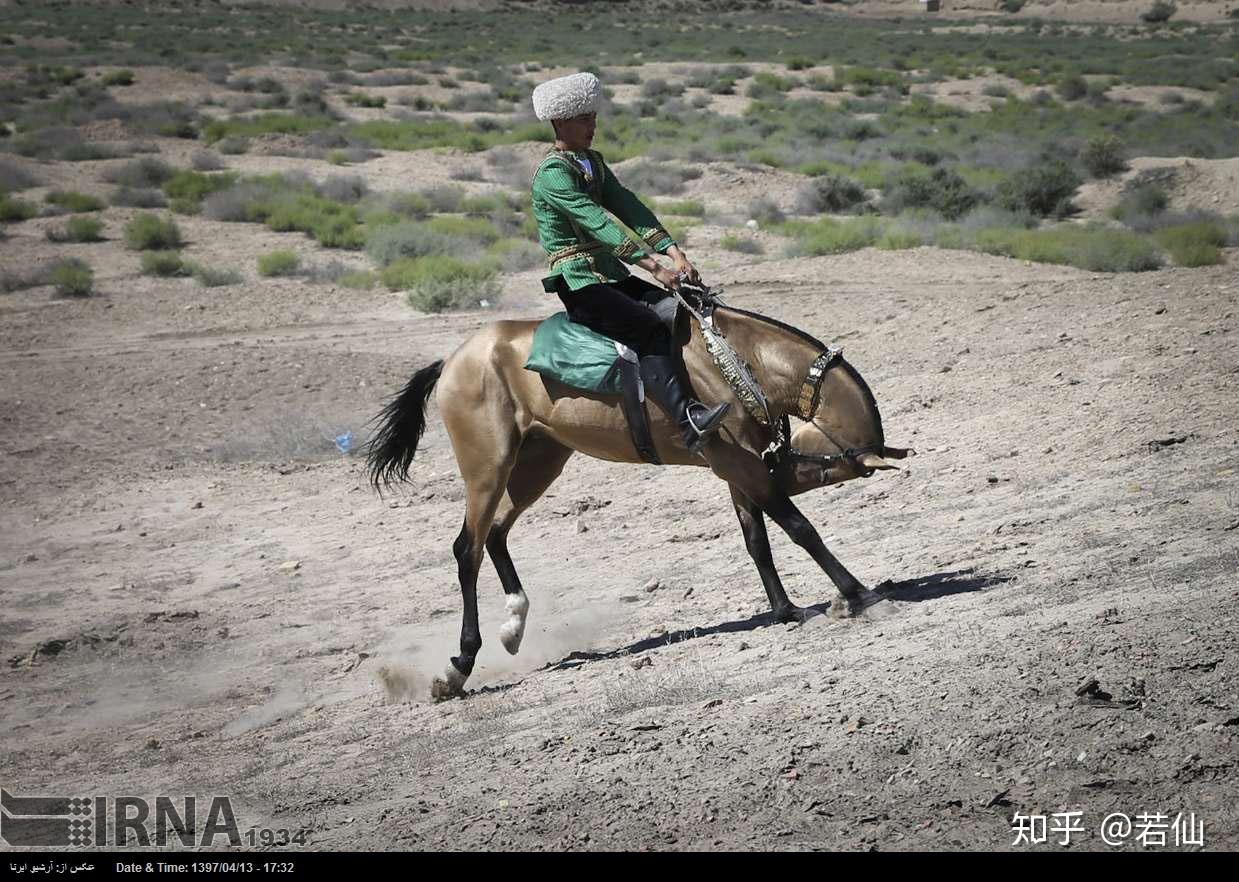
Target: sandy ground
[{"x": 198, "y": 589}]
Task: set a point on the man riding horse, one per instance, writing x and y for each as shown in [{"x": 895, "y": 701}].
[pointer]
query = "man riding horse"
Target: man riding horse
[{"x": 588, "y": 251}]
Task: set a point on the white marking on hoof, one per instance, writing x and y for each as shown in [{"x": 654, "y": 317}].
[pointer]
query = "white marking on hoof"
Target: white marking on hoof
[
  {"x": 513, "y": 630},
  {"x": 450, "y": 685}
]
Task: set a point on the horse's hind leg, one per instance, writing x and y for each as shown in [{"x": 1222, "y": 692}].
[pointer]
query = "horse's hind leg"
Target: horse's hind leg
[
  {"x": 538, "y": 464},
  {"x": 485, "y": 443}
]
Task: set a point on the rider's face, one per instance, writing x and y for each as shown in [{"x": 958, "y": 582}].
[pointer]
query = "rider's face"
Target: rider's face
[{"x": 578, "y": 131}]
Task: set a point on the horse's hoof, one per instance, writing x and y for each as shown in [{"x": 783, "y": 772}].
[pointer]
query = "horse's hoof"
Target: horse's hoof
[
  {"x": 790, "y": 613},
  {"x": 867, "y": 604},
  {"x": 450, "y": 685}
]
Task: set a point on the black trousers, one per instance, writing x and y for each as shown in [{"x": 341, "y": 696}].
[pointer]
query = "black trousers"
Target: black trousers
[{"x": 620, "y": 311}]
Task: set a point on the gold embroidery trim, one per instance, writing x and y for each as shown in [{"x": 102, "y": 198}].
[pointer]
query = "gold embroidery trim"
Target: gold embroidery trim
[
  {"x": 626, "y": 249},
  {"x": 585, "y": 248},
  {"x": 654, "y": 236}
]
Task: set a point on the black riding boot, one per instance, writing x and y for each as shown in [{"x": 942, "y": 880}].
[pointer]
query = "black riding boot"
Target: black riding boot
[{"x": 662, "y": 384}]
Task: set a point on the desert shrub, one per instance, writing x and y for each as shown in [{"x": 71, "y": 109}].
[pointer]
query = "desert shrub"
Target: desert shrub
[
  {"x": 1145, "y": 200},
  {"x": 187, "y": 189},
  {"x": 264, "y": 124},
  {"x": 144, "y": 172},
  {"x": 232, "y": 146},
  {"x": 73, "y": 201},
  {"x": 78, "y": 229},
  {"x": 343, "y": 188},
  {"x": 1011, "y": 6},
  {"x": 211, "y": 277},
  {"x": 941, "y": 189},
  {"x": 767, "y": 85},
  {"x": 139, "y": 197},
  {"x": 685, "y": 207},
  {"x": 72, "y": 278},
  {"x": 765, "y": 210},
  {"x": 829, "y": 236},
  {"x": 995, "y": 90},
  {"x": 440, "y": 282},
  {"x": 150, "y": 232},
  {"x": 1098, "y": 249},
  {"x": 830, "y": 193},
  {"x": 740, "y": 244},
  {"x": 394, "y": 78},
  {"x": 361, "y": 99},
  {"x": 650, "y": 177},
  {"x": 390, "y": 243},
  {"x": 1072, "y": 88},
  {"x": 799, "y": 62},
  {"x": 118, "y": 78},
  {"x": 517, "y": 255},
  {"x": 1194, "y": 244},
  {"x": 13, "y": 178},
  {"x": 660, "y": 88},
  {"x": 1045, "y": 189},
  {"x": 278, "y": 263},
  {"x": 12, "y": 209},
  {"x": 361, "y": 280},
  {"x": 206, "y": 161},
  {"x": 445, "y": 198},
  {"x": 1161, "y": 11},
  {"x": 163, "y": 264},
  {"x": 1104, "y": 156}
]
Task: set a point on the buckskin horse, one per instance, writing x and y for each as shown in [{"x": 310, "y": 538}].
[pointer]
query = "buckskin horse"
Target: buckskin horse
[{"x": 512, "y": 431}]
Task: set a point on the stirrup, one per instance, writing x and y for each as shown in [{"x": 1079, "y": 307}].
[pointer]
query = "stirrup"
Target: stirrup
[{"x": 712, "y": 419}]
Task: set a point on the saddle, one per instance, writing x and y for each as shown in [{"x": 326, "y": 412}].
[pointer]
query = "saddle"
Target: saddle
[{"x": 581, "y": 358}]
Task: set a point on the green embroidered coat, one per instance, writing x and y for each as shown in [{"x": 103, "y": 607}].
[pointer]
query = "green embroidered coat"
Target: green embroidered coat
[{"x": 583, "y": 244}]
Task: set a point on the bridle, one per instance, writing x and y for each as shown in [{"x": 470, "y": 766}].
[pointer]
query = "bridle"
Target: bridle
[{"x": 780, "y": 452}]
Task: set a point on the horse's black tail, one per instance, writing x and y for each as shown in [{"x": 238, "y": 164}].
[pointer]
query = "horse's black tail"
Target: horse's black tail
[{"x": 390, "y": 451}]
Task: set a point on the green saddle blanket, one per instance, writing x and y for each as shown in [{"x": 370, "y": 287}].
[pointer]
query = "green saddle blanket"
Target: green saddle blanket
[{"x": 574, "y": 355}]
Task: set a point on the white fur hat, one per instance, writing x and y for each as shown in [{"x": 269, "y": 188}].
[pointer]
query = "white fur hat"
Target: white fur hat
[{"x": 566, "y": 97}]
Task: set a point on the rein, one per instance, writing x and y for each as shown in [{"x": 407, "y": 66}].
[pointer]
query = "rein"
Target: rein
[{"x": 754, "y": 398}]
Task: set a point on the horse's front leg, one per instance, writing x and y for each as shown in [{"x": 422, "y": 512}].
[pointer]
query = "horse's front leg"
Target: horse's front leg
[
  {"x": 749, "y": 475},
  {"x": 753, "y": 525}
]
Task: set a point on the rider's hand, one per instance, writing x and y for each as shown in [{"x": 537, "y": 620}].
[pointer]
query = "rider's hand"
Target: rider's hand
[
  {"x": 684, "y": 266},
  {"x": 669, "y": 279}
]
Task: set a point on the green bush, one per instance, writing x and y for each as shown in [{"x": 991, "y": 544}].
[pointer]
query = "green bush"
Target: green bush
[
  {"x": 740, "y": 244},
  {"x": 279, "y": 263},
  {"x": 361, "y": 99},
  {"x": 1194, "y": 244},
  {"x": 361, "y": 280},
  {"x": 829, "y": 236},
  {"x": 1140, "y": 204},
  {"x": 830, "y": 193},
  {"x": 1044, "y": 190},
  {"x": 1104, "y": 156},
  {"x": 439, "y": 282},
  {"x": 941, "y": 189},
  {"x": 265, "y": 124},
  {"x": 163, "y": 264},
  {"x": 78, "y": 229},
  {"x": 139, "y": 173},
  {"x": 15, "y": 209},
  {"x": 1161, "y": 11},
  {"x": 685, "y": 207},
  {"x": 74, "y": 202},
  {"x": 1072, "y": 88},
  {"x": 73, "y": 278},
  {"x": 189, "y": 188},
  {"x": 1098, "y": 249},
  {"x": 211, "y": 277},
  {"x": 118, "y": 78},
  {"x": 150, "y": 232}
]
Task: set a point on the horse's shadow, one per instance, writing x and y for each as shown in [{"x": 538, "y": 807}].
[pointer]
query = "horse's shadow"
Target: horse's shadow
[{"x": 916, "y": 590}]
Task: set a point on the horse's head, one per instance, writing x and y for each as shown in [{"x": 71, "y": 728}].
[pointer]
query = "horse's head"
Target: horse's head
[{"x": 842, "y": 441}]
